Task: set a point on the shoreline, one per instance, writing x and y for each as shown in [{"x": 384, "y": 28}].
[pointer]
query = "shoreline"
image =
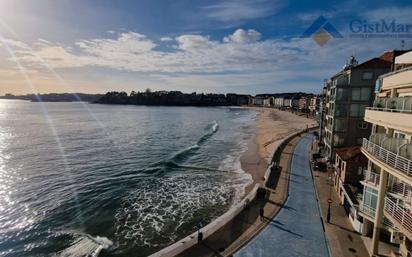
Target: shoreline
[
  {"x": 272, "y": 125},
  {"x": 241, "y": 222}
]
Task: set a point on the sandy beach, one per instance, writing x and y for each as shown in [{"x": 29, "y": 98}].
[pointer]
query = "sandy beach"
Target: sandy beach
[{"x": 272, "y": 126}]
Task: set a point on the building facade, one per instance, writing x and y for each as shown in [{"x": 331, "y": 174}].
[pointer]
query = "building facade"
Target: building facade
[
  {"x": 349, "y": 168},
  {"x": 314, "y": 105},
  {"x": 304, "y": 103},
  {"x": 387, "y": 196},
  {"x": 349, "y": 92}
]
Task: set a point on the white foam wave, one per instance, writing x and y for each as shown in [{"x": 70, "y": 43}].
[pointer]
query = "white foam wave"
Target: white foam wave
[
  {"x": 232, "y": 163},
  {"x": 195, "y": 146},
  {"x": 86, "y": 245},
  {"x": 215, "y": 126},
  {"x": 158, "y": 212}
]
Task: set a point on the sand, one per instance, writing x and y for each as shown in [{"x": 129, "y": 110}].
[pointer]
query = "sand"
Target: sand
[{"x": 272, "y": 126}]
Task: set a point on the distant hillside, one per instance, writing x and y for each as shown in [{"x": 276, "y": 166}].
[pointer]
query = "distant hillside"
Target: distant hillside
[
  {"x": 172, "y": 98},
  {"x": 54, "y": 97}
]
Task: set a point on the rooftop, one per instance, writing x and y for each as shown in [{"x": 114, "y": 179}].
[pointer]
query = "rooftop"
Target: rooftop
[{"x": 347, "y": 153}]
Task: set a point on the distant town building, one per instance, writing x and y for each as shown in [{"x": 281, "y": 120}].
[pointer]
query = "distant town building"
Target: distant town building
[
  {"x": 314, "y": 106},
  {"x": 303, "y": 103},
  {"x": 259, "y": 100},
  {"x": 267, "y": 102},
  {"x": 294, "y": 103},
  {"x": 279, "y": 102}
]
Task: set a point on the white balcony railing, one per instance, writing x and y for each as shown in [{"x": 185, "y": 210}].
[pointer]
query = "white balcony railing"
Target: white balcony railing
[
  {"x": 371, "y": 177},
  {"x": 402, "y": 190},
  {"x": 394, "y": 160},
  {"x": 399, "y": 214}
]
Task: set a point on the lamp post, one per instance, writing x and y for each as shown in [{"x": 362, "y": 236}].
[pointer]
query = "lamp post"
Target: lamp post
[{"x": 330, "y": 197}]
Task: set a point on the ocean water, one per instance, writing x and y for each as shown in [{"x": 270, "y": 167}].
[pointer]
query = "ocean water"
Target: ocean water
[{"x": 79, "y": 179}]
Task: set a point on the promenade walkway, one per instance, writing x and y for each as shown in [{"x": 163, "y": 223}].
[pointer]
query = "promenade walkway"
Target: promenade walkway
[{"x": 297, "y": 230}]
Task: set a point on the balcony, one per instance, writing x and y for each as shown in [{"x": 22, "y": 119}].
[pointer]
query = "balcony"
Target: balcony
[
  {"x": 371, "y": 178},
  {"x": 342, "y": 80},
  {"x": 389, "y": 158},
  {"x": 393, "y": 104},
  {"x": 401, "y": 191},
  {"x": 397, "y": 79},
  {"x": 391, "y": 112},
  {"x": 399, "y": 216},
  {"x": 367, "y": 210}
]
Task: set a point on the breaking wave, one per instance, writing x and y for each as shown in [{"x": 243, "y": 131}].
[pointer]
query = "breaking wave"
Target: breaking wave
[{"x": 85, "y": 245}]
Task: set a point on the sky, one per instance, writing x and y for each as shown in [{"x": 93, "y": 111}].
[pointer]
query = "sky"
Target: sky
[{"x": 226, "y": 46}]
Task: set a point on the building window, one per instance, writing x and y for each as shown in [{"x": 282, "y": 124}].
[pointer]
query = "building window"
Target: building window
[
  {"x": 357, "y": 110},
  {"x": 342, "y": 94},
  {"x": 363, "y": 125},
  {"x": 356, "y": 94},
  {"x": 366, "y": 94},
  {"x": 370, "y": 197},
  {"x": 367, "y": 75},
  {"x": 341, "y": 125},
  {"x": 361, "y": 94}
]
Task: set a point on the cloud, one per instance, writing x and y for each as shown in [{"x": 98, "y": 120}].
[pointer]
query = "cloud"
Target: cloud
[
  {"x": 240, "y": 58},
  {"x": 243, "y": 36},
  {"x": 195, "y": 42},
  {"x": 132, "y": 51},
  {"x": 239, "y": 10},
  {"x": 14, "y": 43},
  {"x": 166, "y": 39}
]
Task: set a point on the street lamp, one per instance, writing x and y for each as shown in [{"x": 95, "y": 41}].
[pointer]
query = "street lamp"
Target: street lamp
[{"x": 330, "y": 197}]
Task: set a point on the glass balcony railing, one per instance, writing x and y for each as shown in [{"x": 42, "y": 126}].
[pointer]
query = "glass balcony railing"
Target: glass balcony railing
[
  {"x": 393, "y": 104},
  {"x": 391, "y": 158},
  {"x": 367, "y": 210}
]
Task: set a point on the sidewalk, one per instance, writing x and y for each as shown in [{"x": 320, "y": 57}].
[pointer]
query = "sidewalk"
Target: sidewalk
[
  {"x": 248, "y": 224},
  {"x": 343, "y": 240},
  {"x": 296, "y": 230}
]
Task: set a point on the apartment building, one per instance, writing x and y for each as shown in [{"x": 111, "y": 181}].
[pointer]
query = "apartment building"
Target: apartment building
[
  {"x": 279, "y": 102},
  {"x": 314, "y": 105},
  {"x": 303, "y": 103},
  {"x": 348, "y": 93},
  {"x": 350, "y": 165},
  {"x": 386, "y": 203}
]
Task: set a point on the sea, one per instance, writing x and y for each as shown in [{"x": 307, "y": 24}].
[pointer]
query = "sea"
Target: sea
[{"x": 80, "y": 179}]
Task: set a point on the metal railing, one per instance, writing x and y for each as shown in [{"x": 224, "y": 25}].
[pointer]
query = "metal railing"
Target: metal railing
[
  {"x": 371, "y": 177},
  {"x": 394, "y": 160},
  {"x": 402, "y": 191},
  {"x": 399, "y": 214}
]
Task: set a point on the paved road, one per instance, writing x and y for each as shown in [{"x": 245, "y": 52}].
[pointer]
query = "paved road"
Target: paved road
[{"x": 297, "y": 229}]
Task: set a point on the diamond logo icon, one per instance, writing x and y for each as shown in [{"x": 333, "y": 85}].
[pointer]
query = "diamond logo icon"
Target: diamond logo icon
[
  {"x": 321, "y": 37},
  {"x": 321, "y": 31}
]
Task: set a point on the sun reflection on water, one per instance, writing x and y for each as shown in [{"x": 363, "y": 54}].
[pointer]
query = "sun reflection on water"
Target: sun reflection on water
[{"x": 14, "y": 216}]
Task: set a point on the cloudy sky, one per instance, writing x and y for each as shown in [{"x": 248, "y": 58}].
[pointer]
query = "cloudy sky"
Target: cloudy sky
[{"x": 241, "y": 46}]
